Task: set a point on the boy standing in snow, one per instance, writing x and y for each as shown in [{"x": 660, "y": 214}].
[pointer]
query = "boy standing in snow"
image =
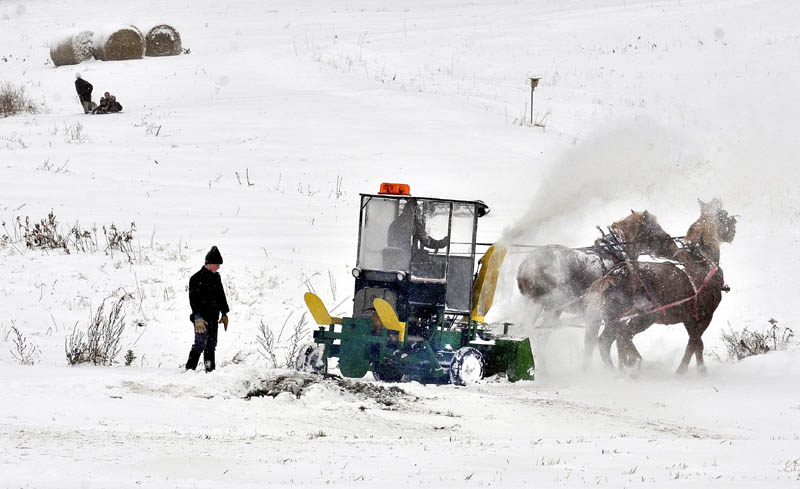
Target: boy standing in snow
[
  {"x": 84, "y": 89},
  {"x": 207, "y": 299}
]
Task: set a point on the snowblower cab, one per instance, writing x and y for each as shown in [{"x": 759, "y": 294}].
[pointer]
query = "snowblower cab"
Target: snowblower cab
[
  {"x": 418, "y": 303},
  {"x": 417, "y": 254}
]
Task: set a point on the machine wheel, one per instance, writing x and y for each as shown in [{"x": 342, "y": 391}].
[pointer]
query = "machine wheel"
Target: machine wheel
[
  {"x": 387, "y": 375},
  {"x": 310, "y": 359},
  {"x": 466, "y": 367}
]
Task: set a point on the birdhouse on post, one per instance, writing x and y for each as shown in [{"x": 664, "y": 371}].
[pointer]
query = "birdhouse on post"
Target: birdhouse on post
[{"x": 534, "y": 84}]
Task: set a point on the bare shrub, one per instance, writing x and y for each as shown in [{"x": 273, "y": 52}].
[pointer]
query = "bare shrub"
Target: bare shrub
[
  {"x": 52, "y": 167},
  {"x": 239, "y": 357},
  {"x": 13, "y": 101},
  {"x": 82, "y": 239},
  {"x": 121, "y": 240},
  {"x": 268, "y": 343},
  {"x": 47, "y": 234},
  {"x": 43, "y": 235},
  {"x": 299, "y": 334},
  {"x": 100, "y": 344},
  {"x": 74, "y": 133},
  {"x": 24, "y": 352},
  {"x": 75, "y": 347},
  {"x": 337, "y": 191},
  {"x": 129, "y": 358},
  {"x": 14, "y": 141},
  {"x": 541, "y": 121},
  {"x": 748, "y": 343}
]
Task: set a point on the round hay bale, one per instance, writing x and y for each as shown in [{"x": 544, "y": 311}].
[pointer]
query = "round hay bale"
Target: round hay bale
[
  {"x": 119, "y": 43},
  {"x": 70, "y": 48},
  {"x": 162, "y": 40}
]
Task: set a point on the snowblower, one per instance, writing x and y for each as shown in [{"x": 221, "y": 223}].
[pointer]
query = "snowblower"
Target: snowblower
[{"x": 419, "y": 304}]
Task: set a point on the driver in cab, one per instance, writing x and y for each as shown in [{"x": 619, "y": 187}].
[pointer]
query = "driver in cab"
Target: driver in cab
[{"x": 407, "y": 232}]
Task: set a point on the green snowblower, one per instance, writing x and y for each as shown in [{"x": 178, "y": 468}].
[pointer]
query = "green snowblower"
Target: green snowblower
[{"x": 419, "y": 303}]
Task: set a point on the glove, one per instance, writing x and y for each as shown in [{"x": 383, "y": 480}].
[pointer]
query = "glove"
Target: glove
[
  {"x": 224, "y": 321},
  {"x": 200, "y": 326}
]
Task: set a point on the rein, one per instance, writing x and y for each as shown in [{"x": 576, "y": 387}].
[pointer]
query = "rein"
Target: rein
[{"x": 677, "y": 239}]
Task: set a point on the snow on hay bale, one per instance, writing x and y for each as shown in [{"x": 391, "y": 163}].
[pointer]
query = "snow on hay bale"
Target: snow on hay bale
[
  {"x": 116, "y": 43},
  {"x": 71, "y": 48},
  {"x": 162, "y": 40}
]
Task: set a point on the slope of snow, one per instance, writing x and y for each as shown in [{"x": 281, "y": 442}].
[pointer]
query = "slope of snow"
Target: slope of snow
[{"x": 260, "y": 141}]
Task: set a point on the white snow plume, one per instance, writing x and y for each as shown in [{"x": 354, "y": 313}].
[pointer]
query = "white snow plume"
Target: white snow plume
[{"x": 630, "y": 164}]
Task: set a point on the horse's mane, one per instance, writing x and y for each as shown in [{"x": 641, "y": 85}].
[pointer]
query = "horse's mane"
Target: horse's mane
[
  {"x": 643, "y": 234},
  {"x": 703, "y": 233},
  {"x": 628, "y": 227}
]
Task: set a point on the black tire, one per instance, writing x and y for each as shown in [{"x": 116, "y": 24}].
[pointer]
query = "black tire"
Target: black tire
[
  {"x": 467, "y": 366},
  {"x": 387, "y": 375}
]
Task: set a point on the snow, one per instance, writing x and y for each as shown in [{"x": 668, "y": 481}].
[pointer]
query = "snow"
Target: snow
[
  {"x": 63, "y": 36},
  {"x": 159, "y": 29},
  {"x": 259, "y": 142}
]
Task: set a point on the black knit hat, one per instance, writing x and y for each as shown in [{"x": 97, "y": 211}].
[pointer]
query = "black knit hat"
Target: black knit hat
[{"x": 213, "y": 257}]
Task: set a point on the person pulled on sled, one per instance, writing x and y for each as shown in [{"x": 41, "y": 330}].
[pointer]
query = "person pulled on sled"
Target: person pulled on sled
[
  {"x": 108, "y": 105},
  {"x": 207, "y": 299}
]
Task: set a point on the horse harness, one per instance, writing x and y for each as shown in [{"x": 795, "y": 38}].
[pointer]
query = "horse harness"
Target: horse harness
[
  {"x": 610, "y": 243},
  {"x": 628, "y": 315}
]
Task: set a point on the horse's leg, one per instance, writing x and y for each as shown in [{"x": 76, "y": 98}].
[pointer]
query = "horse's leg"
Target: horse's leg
[
  {"x": 633, "y": 359},
  {"x": 698, "y": 349},
  {"x": 622, "y": 355},
  {"x": 550, "y": 318},
  {"x": 691, "y": 328},
  {"x": 590, "y": 341},
  {"x": 536, "y": 312},
  {"x": 628, "y": 354},
  {"x": 625, "y": 348},
  {"x": 604, "y": 342},
  {"x": 635, "y": 327}
]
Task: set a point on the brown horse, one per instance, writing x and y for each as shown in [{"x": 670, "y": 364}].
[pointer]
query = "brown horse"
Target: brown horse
[
  {"x": 636, "y": 295},
  {"x": 556, "y": 277}
]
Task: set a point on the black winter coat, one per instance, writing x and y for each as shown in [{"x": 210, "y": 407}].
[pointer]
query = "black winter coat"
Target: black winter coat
[
  {"x": 84, "y": 89},
  {"x": 206, "y": 296}
]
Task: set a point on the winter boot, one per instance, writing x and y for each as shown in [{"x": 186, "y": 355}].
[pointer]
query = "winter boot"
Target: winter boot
[
  {"x": 209, "y": 361},
  {"x": 194, "y": 357}
]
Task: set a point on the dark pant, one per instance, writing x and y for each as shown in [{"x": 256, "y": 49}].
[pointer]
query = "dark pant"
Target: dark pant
[
  {"x": 86, "y": 103},
  {"x": 205, "y": 343}
]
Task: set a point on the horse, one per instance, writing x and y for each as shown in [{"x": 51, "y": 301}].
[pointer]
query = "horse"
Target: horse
[
  {"x": 636, "y": 295},
  {"x": 556, "y": 277}
]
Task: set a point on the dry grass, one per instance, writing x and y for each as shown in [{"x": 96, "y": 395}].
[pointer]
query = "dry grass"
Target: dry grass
[
  {"x": 13, "y": 101},
  {"x": 748, "y": 343},
  {"x": 100, "y": 344}
]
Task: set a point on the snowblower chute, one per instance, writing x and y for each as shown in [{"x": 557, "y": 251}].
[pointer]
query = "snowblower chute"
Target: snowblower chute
[{"x": 419, "y": 305}]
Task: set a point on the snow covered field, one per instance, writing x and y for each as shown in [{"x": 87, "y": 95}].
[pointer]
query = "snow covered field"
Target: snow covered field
[{"x": 260, "y": 140}]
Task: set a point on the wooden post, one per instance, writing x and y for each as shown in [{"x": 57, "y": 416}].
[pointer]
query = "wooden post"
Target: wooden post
[{"x": 534, "y": 84}]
